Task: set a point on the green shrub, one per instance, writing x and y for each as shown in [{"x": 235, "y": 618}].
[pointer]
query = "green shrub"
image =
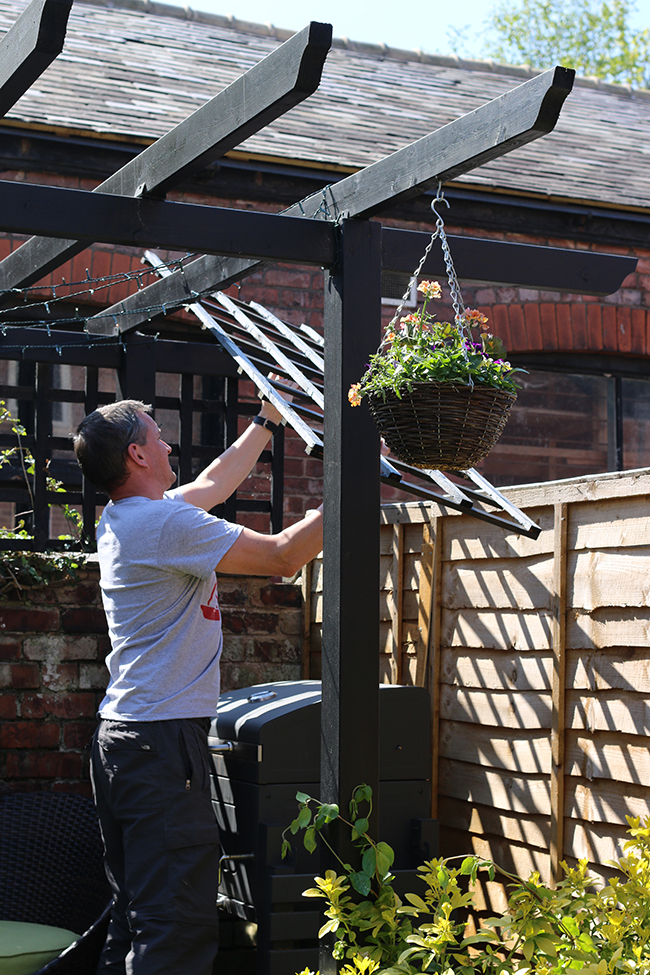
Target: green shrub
[{"x": 582, "y": 926}]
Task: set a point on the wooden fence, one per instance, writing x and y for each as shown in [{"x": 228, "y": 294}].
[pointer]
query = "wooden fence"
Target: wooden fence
[{"x": 537, "y": 657}]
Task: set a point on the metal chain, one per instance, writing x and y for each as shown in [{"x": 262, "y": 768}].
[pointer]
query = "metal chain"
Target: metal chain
[
  {"x": 452, "y": 279},
  {"x": 454, "y": 286},
  {"x": 415, "y": 274}
]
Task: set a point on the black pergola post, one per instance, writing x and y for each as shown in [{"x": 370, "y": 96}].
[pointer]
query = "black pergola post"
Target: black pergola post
[{"x": 350, "y": 669}]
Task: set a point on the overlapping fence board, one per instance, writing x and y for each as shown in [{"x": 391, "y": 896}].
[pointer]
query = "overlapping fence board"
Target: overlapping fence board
[
  {"x": 538, "y": 666},
  {"x": 544, "y": 763}
]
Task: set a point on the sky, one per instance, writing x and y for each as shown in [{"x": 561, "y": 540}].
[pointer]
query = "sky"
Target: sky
[{"x": 411, "y": 24}]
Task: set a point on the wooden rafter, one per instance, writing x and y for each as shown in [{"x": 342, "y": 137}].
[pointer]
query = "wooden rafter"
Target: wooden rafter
[
  {"x": 518, "y": 117},
  {"x": 30, "y": 46},
  {"x": 283, "y": 79}
]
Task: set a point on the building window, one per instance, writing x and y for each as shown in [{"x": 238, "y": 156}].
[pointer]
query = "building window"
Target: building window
[
  {"x": 395, "y": 285},
  {"x": 570, "y": 425}
]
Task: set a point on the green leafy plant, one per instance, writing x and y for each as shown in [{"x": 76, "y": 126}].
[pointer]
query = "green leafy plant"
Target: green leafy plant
[
  {"x": 22, "y": 568},
  {"x": 419, "y": 349},
  {"x": 596, "y": 37},
  {"x": 581, "y": 926}
]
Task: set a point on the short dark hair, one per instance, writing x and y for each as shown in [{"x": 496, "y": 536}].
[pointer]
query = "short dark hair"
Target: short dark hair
[{"x": 102, "y": 438}]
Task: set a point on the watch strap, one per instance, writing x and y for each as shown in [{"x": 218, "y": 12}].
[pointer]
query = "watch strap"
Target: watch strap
[{"x": 262, "y": 421}]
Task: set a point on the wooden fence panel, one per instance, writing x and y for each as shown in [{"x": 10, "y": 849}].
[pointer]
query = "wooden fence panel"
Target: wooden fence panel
[{"x": 537, "y": 657}]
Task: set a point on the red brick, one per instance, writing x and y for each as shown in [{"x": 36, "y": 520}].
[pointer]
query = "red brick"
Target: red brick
[
  {"x": 29, "y": 734},
  {"x": 293, "y": 467},
  {"x": 19, "y": 620},
  {"x": 548, "y": 325},
  {"x": 60, "y": 677},
  {"x": 100, "y": 268},
  {"x": 273, "y": 652},
  {"x": 84, "y": 620},
  {"x": 499, "y": 324},
  {"x": 517, "y": 329},
  {"x": 250, "y": 622},
  {"x": 640, "y": 344},
  {"x": 624, "y": 329},
  {"x": 29, "y": 764},
  {"x": 287, "y": 278},
  {"x": 564, "y": 333},
  {"x": 81, "y": 595},
  {"x": 533, "y": 327},
  {"x": 77, "y": 734},
  {"x": 8, "y": 706},
  {"x": 610, "y": 331},
  {"x": 579, "y": 327},
  {"x": 79, "y": 704},
  {"x": 122, "y": 265},
  {"x": 103, "y": 647},
  {"x": 283, "y": 595},
  {"x": 9, "y": 650},
  {"x": 595, "y": 328},
  {"x": 20, "y": 675},
  {"x": 232, "y": 597},
  {"x": 65, "y": 271},
  {"x": 5, "y": 247}
]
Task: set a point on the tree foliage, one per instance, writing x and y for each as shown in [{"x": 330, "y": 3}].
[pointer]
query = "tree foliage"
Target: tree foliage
[{"x": 593, "y": 36}]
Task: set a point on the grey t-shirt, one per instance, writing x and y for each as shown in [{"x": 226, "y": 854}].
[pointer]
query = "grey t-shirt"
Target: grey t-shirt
[{"x": 159, "y": 588}]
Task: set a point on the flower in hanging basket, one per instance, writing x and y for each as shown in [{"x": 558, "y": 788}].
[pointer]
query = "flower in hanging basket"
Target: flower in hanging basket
[
  {"x": 420, "y": 349},
  {"x": 440, "y": 392}
]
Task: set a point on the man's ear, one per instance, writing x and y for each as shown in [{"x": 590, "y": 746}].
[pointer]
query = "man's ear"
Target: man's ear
[{"x": 135, "y": 454}]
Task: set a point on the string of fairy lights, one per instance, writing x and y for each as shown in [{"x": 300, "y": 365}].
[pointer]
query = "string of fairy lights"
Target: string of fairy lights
[{"x": 87, "y": 287}]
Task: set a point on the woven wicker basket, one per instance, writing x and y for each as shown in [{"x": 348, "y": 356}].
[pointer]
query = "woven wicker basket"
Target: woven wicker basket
[{"x": 442, "y": 426}]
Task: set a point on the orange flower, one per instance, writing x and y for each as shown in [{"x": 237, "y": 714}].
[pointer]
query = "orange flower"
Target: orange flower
[
  {"x": 430, "y": 289},
  {"x": 474, "y": 317},
  {"x": 353, "y": 395},
  {"x": 412, "y": 319}
]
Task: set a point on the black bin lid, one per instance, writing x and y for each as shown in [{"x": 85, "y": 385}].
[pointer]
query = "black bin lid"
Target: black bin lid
[{"x": 277, "y": 726}]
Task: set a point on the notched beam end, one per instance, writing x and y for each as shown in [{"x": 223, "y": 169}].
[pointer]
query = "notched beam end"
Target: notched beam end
[
  {"x": 30, "y": 46},
  {"x": 561, "y": 84},
  {"x": 318, "y": 44},
  {"x": 53, "y": 26}
]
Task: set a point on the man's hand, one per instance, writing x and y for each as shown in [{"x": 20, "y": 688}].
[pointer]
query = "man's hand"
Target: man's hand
[{"x": 225, "y": 474}]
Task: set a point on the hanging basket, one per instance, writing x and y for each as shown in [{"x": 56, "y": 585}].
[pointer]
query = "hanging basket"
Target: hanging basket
[{"x": 442, "y": 426}]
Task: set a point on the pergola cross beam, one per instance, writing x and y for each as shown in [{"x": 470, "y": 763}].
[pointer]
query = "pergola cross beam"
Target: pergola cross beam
[
  {"x": 269, "y": 89},
  {"x": 505, "y": 123},
  {"x": 30, "y": 46}
]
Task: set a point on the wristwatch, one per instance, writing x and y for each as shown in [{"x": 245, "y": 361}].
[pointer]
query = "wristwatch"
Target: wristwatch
[{"x": 264, "y": 422}]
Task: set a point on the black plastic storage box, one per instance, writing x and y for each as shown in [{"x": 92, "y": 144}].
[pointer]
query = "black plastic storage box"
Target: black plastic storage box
[{"x": 265, "y": 744}]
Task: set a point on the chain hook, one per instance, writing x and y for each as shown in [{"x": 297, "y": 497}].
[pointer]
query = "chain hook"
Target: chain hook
[{"x": 440, "y": 198}]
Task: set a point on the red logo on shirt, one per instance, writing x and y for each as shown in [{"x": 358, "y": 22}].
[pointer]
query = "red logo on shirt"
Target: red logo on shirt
[{"x": 211, "y": 612}]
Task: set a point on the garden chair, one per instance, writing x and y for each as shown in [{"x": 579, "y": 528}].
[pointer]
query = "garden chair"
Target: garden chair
[{"x": 52, "y": 873}]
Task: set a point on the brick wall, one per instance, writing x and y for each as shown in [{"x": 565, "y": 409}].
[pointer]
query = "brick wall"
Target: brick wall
[{"x": 53, "y": 642}]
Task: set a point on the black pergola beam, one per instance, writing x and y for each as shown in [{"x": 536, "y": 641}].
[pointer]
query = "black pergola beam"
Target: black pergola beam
[
  {"x": 503, "y": 263},
  {"x": 57, "y": 211},
  {"x": 281, "y": 80},
  {"x": 514, "y": 119},
  {"x": 477, "y": 259},
  {"x": 30, "y": 46}
]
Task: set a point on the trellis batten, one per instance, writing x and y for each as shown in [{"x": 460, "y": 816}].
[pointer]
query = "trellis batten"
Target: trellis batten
[{"x": 538, "y": 668}]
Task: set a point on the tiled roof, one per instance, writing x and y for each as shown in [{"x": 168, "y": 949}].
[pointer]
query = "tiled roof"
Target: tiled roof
[{"x": 133, "y": 69}]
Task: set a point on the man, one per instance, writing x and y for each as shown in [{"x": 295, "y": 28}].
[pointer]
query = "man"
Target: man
[{"x": 158, "y": 550}]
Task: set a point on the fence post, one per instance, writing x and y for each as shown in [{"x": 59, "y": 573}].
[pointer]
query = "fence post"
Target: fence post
[{"x": 559, "y": 606}]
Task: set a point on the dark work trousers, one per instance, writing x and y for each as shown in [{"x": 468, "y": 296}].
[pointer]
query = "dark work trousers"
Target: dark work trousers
[{"x": 151, "y": 783}]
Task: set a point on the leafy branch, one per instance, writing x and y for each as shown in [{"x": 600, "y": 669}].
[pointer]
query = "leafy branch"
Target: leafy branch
[
  {"x": 25, "y": 569},
  {"x": 576, "y": 929}
]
